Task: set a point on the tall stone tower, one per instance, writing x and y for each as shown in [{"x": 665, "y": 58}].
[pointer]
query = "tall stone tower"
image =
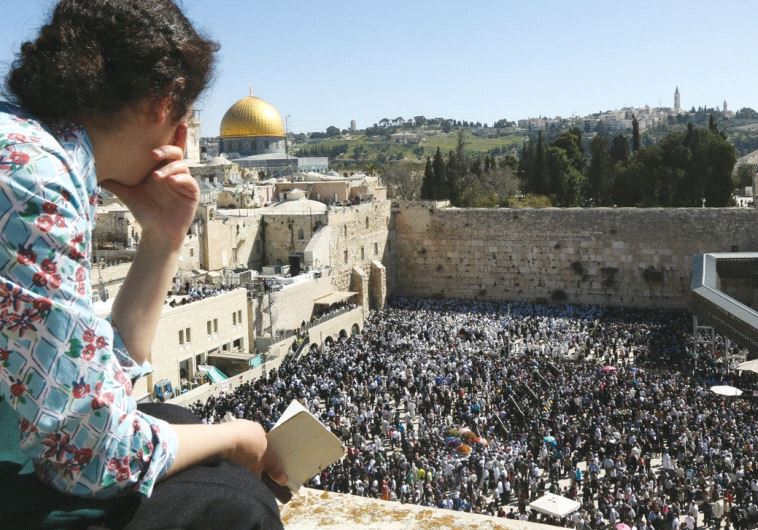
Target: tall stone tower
[
  {"x": 677, "y": 102},
  {"x": 192, "y": 151},
  {"x": 725, "y": 107}
]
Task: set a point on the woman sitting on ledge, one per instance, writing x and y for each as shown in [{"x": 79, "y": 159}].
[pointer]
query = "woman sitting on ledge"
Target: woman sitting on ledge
[{"x": 99, "y": 99}]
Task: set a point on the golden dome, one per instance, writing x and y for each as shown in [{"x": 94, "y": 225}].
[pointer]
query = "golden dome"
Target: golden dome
[{"x": 251, "y": 116}]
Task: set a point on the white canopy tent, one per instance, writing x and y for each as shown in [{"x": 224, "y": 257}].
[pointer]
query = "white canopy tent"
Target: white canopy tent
[
  {"x": 555, "y": 505},
  {"x": 750, "y": 366},
  {"x": 726, "y": 390}
]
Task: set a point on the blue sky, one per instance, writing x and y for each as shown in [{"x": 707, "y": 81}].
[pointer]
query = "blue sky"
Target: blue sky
[{"x": 327, "y": 62}]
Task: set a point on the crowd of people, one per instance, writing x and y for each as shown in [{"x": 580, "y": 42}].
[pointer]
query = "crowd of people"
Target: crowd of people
[
  {"x": 330, "y": 312},
  {"x": 193, "y": 293},
  {"x": 484, "y": 407}
]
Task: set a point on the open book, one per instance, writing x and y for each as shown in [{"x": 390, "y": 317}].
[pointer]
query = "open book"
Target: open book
[{"x": 303, "y": 445}]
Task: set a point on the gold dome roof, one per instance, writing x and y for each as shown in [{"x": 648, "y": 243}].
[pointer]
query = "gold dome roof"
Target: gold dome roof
[{"x": 251, "y": 116}]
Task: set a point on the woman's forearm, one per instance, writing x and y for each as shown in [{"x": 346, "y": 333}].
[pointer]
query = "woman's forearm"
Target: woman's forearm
[
  {"x": 137, "y": 308},
  {"x": 240, "y": 441},
  {"x": 201, "y": 443}
]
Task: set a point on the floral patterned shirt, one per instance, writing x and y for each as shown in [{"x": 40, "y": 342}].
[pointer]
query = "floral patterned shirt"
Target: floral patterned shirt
[{"x": 64, "y": 371}]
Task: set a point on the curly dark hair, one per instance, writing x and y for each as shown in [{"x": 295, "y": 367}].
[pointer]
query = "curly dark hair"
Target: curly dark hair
[{"x": 99, "y": 57}]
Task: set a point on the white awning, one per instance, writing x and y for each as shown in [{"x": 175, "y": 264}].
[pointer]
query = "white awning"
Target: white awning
[
  {"x": 750, "y": 366},
  {"x": 726, "y": 390},
  {"x": 334, "y": 297},
  {"x": 555, "y": 505}
]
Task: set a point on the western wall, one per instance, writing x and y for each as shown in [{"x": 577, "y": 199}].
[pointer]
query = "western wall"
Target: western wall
[{"x": 611, "y": 256}]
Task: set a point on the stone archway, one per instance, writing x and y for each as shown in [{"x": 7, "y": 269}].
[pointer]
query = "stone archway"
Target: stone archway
[
  {"x": 355, "y": 330},
  {"x": 343, "y": 334}
]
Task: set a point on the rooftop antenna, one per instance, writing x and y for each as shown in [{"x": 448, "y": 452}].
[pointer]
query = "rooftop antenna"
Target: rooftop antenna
[{"x": 251, "y": 90}]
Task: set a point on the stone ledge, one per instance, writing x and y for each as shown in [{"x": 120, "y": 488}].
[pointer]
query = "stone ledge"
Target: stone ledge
[{"x": 321, "y": 509}]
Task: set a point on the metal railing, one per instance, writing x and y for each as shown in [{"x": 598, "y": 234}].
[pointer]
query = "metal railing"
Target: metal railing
[{"x": 729, "y": 316}]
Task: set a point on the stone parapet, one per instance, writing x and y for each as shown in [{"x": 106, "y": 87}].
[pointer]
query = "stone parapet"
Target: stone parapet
[{"x": 320, "y": 509}]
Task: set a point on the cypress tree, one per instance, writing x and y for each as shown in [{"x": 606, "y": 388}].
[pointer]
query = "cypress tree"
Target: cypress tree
[
  {"x": 620, "y": 148},
  {"x": 451, "y": 167},
  {"x": 539, "y": 170},
  {"x": 439, "y": 189},
  {"x": 455, "y": 176},
  {"x": 427, "y": 185},
  {"x": 600, "y": 174},
  {"x": 526, "y": 166},
  {"x": 635, "y": 134}
]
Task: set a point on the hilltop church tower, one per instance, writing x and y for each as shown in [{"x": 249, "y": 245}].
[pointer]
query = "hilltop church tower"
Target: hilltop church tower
[{"x": 677, "y": 102}]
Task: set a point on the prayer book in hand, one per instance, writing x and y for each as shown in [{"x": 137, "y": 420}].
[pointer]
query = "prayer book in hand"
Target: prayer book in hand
[{"x": 304, "y": 446}]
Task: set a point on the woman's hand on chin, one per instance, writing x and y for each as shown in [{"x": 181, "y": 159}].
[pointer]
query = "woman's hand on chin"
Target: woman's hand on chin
[{"x": 164, "y": 203}]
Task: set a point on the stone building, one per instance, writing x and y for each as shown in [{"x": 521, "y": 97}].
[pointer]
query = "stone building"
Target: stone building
[
  {"x": 192, "y": 335},
  {"x": 116, "y": 227}
]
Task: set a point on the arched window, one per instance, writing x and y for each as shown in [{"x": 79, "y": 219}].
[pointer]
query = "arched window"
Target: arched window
[{"x": 300, "y": 234}]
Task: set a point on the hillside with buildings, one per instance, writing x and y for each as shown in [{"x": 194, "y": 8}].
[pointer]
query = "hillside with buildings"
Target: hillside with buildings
[{"x": 418, "y": 137}]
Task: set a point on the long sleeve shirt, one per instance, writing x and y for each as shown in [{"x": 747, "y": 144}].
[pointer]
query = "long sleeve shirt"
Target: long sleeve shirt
[{"x": 64, "y": 371}]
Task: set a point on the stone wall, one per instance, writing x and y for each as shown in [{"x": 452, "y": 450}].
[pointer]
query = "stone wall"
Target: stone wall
[
  {"x": 359, "y": 283},
  {"x": 378, "y": 285},
  {"x": 289, "y": 234},
  {"x": 231, "y": 238},
  {"x": 359, "y": 235},
  {"x": 294, "y": 303},
  {"x": 616, "y": 256},
  {"x": 115, "y": 224}
]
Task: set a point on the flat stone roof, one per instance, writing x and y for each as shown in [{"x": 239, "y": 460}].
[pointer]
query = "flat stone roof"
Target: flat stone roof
[{"x": 310, "y": 509}]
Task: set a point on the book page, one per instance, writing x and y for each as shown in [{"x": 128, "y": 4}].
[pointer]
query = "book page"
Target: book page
[
  {"x": 293, "y": 408},
  {"x": 303, "y": 444}
]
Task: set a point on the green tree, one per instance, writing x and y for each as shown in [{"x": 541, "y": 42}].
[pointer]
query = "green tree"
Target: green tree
[
  {"x": 565, "y": 182},
  {"x": 538, "y": 177},
  {"x": 457, "y": 172},
  {"x": 526, "y": 165},
  {"x": 635, "y": 134},
  {"x": 404, "y": 179},
  {"x": 746, "y": 113},
  {"x": 476, "y": 167},
  {"x": 680, "y": 170},
  {"x": 440, "y": 189},
  {"x": 600, "y": 175},
  {"x": 620, "y": 148},
  {"x": 627, "y": 190},
  {"x": 601, "y": 128},
  {"x": 427, "y": 185},
  {"x": 571, "y": 142}
]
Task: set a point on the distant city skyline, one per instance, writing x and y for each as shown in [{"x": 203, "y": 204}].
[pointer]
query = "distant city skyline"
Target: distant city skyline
[{"x": 329, "y": 63}]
